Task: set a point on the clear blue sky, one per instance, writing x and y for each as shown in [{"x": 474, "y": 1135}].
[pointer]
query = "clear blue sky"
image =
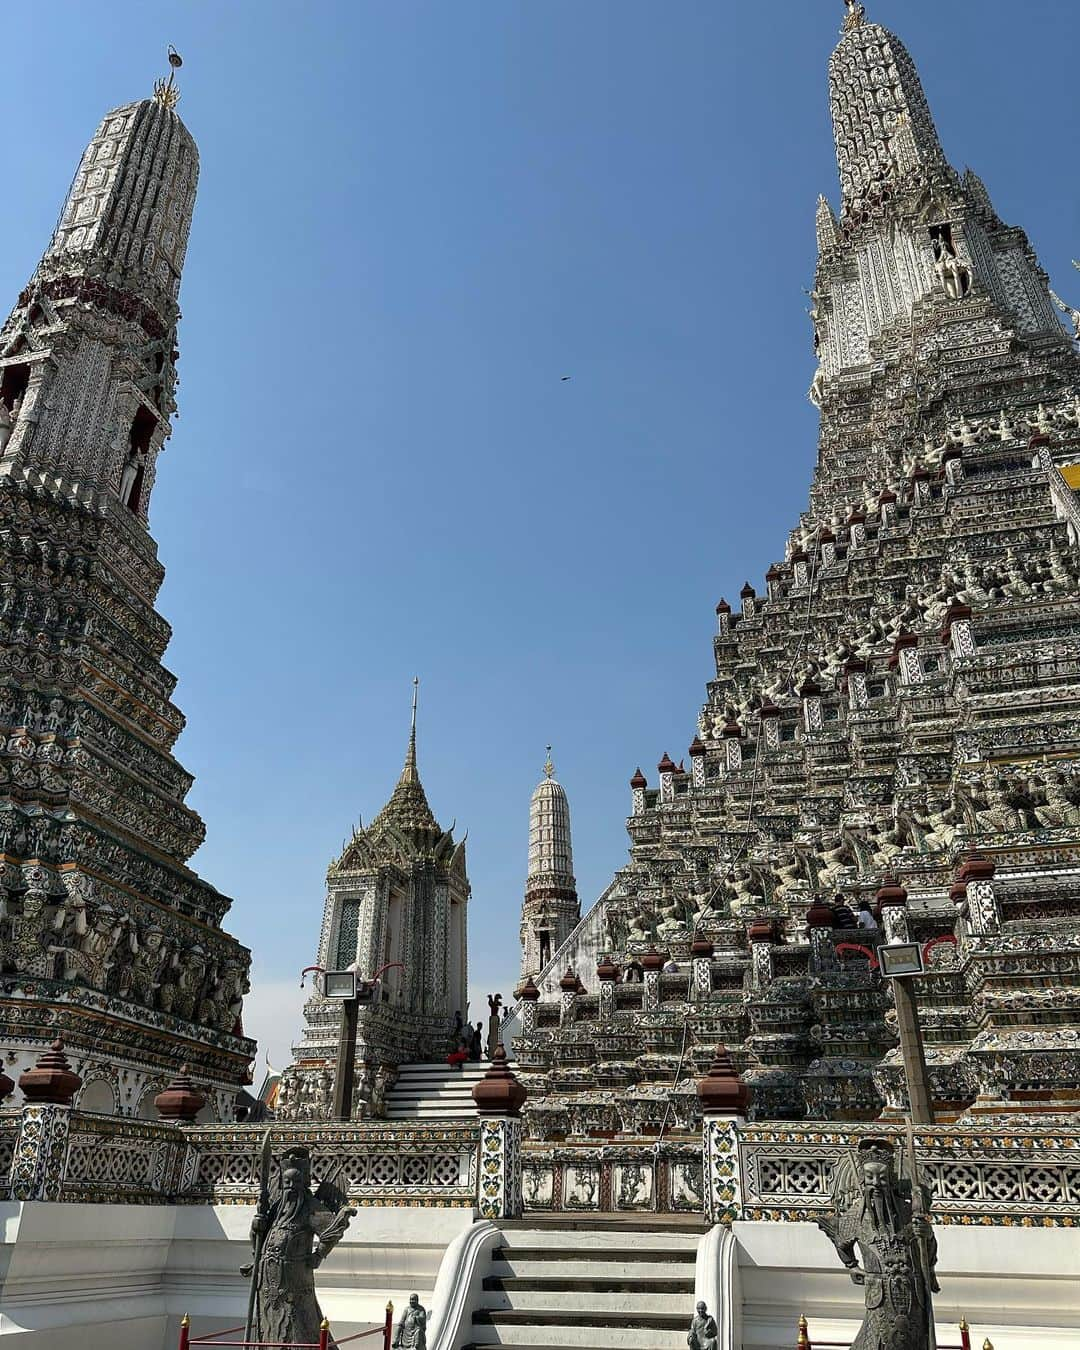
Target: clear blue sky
[{"x": 414, "y": 217}]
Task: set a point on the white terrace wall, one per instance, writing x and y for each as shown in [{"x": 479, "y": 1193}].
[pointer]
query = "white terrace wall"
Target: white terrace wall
[{"x": 120, "y": 1277}]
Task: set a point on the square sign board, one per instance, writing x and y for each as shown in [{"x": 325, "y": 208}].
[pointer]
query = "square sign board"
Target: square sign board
[
  {"x": 339, "y": 984},
  {"x": 900, "y": 958}
]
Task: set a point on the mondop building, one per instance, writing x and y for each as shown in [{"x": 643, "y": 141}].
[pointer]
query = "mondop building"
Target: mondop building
[{"x": 700, "y": 1096}]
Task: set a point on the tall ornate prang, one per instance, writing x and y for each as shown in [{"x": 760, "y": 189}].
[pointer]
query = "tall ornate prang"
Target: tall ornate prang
[
  {"x": 398, "y": 893},
  {"x": 551, "y": 909},
  {"x": 897, "y": 715},
  {"x": 106, "y": 936}
]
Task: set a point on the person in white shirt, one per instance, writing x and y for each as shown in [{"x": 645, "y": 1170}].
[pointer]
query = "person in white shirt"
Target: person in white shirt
[{"x": 865, "y": 917}]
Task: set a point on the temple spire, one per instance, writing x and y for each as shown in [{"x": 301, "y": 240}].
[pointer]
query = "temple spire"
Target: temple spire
[
  {"x": 856, "y": 15},
  {"x": 881, "y": 119},
  {"x": 409, "y": 773}
]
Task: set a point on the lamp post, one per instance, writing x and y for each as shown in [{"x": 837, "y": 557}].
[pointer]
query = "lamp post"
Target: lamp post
[
  {"x": 900, "y": 962},
  {"x": 351, "y": 992}
]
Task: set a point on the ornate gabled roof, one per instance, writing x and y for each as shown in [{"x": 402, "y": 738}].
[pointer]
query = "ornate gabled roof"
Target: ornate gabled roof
[{"x": 405, "y": 827}]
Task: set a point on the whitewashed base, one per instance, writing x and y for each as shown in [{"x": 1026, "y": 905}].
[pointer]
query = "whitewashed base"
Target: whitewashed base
[
  {"x": 120, "y": 1277},
  {"x": 1017, "y": 1286}
]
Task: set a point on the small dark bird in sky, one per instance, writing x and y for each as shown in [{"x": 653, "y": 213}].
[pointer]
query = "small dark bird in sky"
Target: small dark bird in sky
[{"x": 564, "y": 378}]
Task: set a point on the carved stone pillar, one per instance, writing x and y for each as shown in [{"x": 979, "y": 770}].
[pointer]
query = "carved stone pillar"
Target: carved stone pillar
[
  {"x": 800, "y": 568},
  {"x": 638, "y": 785},
  {"x": 892, "y": 911},
  {"x": 723, "y": 618},
  {"x": 957, "y": 631},
  {"x": 773, "y": 579},
  {"x": 769, "y": 716},
  {"x": 977, "y": 900},
  {"x": 748, "y": 596},
  {"x": 827, "y": 542},
  {"x": 652, "y": 963},
  {"x": 819, "y": 922},
  {"x": 697, "y": 762},
  {"x": 953, "y": 462},
  {"x": 810, "y": 693},
  {"x": 569, "y": 987},
  {"x": 732, "y": 738},
  {"x": 666, "y": 769},
  {"x": 887, "y": 509},
  {"x": 39, "y": 1160},
  {"x": 857, "y": 527},
  {"x": 499, "y": 1098},
  {"x": 530, "y": 997},
  {"x": 761, "y": 934},
  {"x": 855, "y": 683},
  {"x": 905, "y": 658},
  {"x": 701, "y": 955},
  {"x": 724, "y": 1101},
  {"x": 607, "y": 972},
  {"x": 920, "y": 487}
]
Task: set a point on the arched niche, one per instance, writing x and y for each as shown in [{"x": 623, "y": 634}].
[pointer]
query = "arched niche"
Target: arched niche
[{"x": 98, "y": 1095}]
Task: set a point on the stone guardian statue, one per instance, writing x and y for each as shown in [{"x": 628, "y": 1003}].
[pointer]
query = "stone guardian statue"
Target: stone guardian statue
[
  {"x": 881, "y": 1220},
  {"x": 292, "y": 1233}
]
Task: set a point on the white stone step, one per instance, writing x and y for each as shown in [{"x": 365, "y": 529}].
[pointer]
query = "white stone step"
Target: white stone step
[
  {"x": 597, "y": 1268},
  {"x": 628, "y": 1300},
  {"x": 631, "y": 1239},
  {"x": 583, "y": 1338},
  {"x": 432, "y": 1113}
]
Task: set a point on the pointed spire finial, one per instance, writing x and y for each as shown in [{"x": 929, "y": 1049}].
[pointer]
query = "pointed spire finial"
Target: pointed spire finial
[
  {"x": 856, "y": 15},
  {"x": 409, "y": 773},
  {"x": 549, "y": 768},
  {"x": 165, "y": 91}
]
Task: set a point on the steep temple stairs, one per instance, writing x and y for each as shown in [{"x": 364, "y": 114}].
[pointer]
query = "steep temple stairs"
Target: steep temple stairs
[
  {"x": 432, "y": 1092},
  {"x": 589, "y": 1282}
]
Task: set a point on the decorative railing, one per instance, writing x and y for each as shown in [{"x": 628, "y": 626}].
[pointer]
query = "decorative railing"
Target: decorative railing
[
  {"x": 121, "y": 1160},
  {"x": 990, "y": 1175},
  {"x": 9, "y": 1134},
  {"x": 647, "y": 1178},
  {"x": 54, "y": 1153},
  {"x": 401, "y": 1164}
]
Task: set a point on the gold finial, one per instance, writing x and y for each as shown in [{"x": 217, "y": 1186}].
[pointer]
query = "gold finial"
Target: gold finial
[
  {"x": 185, "y": 1321},
  {"x": 856, "y": 15},
  {"x": 988, "y": 1344},
  {"x": 804, "y": 1339},
  {"x": 165, "y": 91},
  {"x": 549, "y": 768}
]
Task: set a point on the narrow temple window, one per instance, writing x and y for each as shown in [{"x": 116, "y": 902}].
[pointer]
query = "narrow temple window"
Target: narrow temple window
[{"x": 134, "y": 471}]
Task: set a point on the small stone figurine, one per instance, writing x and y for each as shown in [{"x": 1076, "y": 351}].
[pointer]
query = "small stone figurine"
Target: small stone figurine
[
  {"x": 412, "y": 1329},
  {"x": 703, "y": 1334}
]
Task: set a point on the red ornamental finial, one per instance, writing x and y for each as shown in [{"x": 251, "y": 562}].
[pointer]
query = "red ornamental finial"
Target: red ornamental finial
[{"x": 52, "y": 1081}]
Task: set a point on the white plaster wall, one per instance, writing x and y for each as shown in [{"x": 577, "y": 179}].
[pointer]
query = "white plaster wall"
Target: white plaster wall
[
  {"x": 120, "y": 1277},
  {"x": 1018, "y": 1286}
]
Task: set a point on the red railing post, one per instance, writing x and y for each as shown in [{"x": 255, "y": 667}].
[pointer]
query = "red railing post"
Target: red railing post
[
  {"x": 185, "y": 1331},
  {"x": 803, "y": 1342},
  {"x": 965, "y": 1335},
  {"x": 324, "y": 1334},
  {"x": 388, "y": 1326}
]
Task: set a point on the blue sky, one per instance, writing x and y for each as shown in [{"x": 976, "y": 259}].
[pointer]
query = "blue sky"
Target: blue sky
[{"x": 414, "y": 218}]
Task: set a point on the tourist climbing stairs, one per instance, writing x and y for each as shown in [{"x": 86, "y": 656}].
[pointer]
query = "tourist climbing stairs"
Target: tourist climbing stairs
[
  {"x": 588, "y": 1282},
  {"x": 434, "y": 1092}
]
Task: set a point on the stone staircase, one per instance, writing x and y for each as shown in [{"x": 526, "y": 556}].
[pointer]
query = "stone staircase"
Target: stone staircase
[
  {"x": 434, "y": 1092},
  {"x": 589, "y": 1282}
]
